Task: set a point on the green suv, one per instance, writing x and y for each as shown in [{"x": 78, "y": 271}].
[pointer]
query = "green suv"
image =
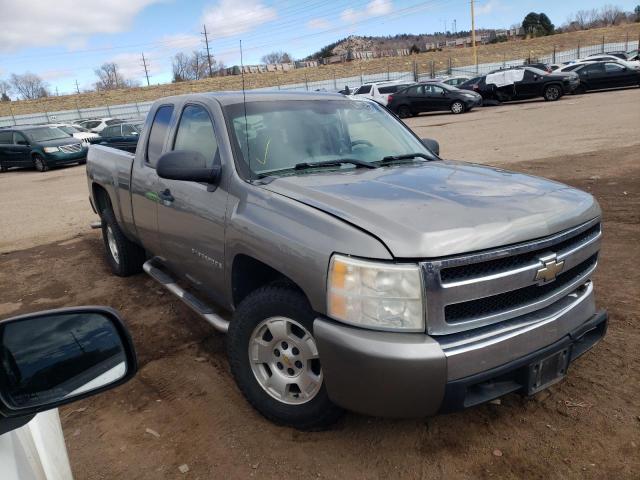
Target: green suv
[{"x": 40, "y": 147}]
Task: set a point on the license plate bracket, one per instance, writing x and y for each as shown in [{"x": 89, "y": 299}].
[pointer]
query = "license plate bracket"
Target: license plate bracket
[{"x": 548, "y": 370}]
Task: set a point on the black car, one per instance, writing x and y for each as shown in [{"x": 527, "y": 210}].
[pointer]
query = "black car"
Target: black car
[
  {"x": 540, "y": 66},
  {"x": 599, "y": 75},
  {"x": 522, "y": 83},
  {"x": 123, "y": 136},
  {"x": 431, "y": 97}
]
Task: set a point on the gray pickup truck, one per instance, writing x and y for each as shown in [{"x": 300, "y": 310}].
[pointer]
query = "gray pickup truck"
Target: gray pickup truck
[{"x": 363, "y": 271}]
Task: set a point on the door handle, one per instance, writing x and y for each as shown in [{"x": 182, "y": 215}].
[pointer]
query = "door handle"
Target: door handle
[{"x": 166, "y": 196}]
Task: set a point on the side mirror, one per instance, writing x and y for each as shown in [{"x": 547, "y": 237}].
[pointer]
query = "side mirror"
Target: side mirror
[
  {"x": 187, "y": 165},
  {"x": 52, "y": 358},
  {"x": 432, "y": 145}
]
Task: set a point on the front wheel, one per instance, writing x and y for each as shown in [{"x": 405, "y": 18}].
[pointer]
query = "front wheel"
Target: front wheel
[
  {"x": 457, "y": 107},
  {"x": 552, "y": 93},
  {"x": 39, "y": 163},
  {"x": 274, "y": 358}
]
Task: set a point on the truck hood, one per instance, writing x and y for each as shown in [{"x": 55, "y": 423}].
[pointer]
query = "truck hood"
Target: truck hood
[{"x": 440, "y": 208}]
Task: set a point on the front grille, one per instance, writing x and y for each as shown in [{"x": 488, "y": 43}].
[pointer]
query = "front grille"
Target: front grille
[
  {"x": 71, "y": 148},
  {"x": 491, "y": 267},
  {"x": 487, "y": 287},
  {"x": 514, "y": 299}
]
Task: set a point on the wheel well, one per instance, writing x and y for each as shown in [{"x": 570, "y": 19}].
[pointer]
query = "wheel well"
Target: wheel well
[
  {"x": 101, "y": 197},
  {"x": 249, "y": 274}
]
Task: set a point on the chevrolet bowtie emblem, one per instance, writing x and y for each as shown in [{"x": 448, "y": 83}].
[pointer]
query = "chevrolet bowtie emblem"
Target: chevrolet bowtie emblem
[{"x": 550, "y": 270}]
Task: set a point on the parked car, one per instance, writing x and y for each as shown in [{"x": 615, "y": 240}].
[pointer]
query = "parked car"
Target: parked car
[
  {"x": 363, "y": 271},
  {"x": 380, "y": 91},
  {"x": 521, "y": 83},
  {"x": 621, "y": 54},
  {"x": 599, "y": 75},
  {"x": 39, "y": 147},
  {"x": 76, "y": 131},
  {"x": 611, "y": 58},
  {"x": 540, "y": 66},
  {"x": 123, "y": 136},
  {"x": 454, "y": 81},
  {"x": 96, "y": 125},
  {"x": 49, "y": 359},
  {"x": 432, "y": 97}
]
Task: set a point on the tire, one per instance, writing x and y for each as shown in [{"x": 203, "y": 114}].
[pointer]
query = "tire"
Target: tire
[
  {"x": 404, "y": 111},
  {"x": 39, "y": 163},
  {"x": 266, "y": 315},
  {"x": 457, "y": 107},
  {"x": 124, "y": 257},
  {"x": 552, "y": 93},
  {"x": 580, "y": 90}
]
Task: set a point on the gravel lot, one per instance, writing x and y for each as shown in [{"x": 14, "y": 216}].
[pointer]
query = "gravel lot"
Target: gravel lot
[{"x": 587, "y": 426}]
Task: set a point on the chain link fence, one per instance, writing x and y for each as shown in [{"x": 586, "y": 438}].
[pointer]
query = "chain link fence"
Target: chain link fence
[{"x": 140, "y": 109}]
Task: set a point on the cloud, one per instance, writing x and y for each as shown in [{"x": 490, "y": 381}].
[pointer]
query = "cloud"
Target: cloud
[
  {"x": 181, "y": 42},
  {"x": 374, "y": 8},
  {"x": 487, "y": 8},
  {"x": 318, "y": 24},
  {"x": 232, "y": 17},
  {"x": 130, "y": 65},
  {"x": 45, "y": 23}
]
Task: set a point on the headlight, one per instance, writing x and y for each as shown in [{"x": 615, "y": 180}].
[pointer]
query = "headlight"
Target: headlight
[
  {"x": 375, "y": 295},
  {"x": 51, "y": 149}
]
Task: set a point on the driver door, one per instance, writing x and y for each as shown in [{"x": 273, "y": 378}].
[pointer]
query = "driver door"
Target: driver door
[{"x": 192, "y": 215}]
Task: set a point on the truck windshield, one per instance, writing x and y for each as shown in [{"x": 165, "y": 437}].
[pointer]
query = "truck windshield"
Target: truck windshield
[
  {"x": 45, "y": 134},
  {"x": 278, "y": 135}
]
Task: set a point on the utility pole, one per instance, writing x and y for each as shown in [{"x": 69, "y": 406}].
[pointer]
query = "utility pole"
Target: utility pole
[
  {"x": 146, "y": 71},
  {"x": 454, "y": 26},
  {"x": 206, "y": 42},
  {"x": 57, "y": 95},
  {"x": 77, "y": 87},
  {"x": 473, "y": 35}
]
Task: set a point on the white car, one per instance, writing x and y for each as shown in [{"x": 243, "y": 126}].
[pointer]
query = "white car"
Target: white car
[
  {"x": 49, "y": 359},
  {"x": 380, "y": 91},
  {"x": 607, "y": 58},
  {"x": 76, "y": 131},
  {"x": 96, "y": 125}
]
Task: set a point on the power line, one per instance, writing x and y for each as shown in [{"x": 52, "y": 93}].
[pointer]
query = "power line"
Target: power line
[
  {"x": 146, "y": 72},
  {"x": 206, "y": 41}
]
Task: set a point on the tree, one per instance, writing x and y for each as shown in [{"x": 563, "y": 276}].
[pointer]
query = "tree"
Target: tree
[
  {"x": 277, "y": 57},
  {"x": 5, "y": 89},
  {"x": 191, "y": 67},
  {"x": 414, "y": 49},
  {"x": 29, "y": 86},
  {"x": 110, "y": 78},
  {"x": 537, "y": 25}
]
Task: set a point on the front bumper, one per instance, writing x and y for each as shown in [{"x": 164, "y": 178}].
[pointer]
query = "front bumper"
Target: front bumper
[
  {"x": 415, "y": 375},
  {"x": 61, "y": 158}
]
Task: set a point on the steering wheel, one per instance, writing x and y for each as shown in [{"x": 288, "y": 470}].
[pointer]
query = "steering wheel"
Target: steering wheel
[{"x": 355, "y": 143}]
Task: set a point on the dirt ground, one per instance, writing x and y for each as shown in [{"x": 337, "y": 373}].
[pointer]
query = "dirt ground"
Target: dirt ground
[{"x": 588, "y": 426}]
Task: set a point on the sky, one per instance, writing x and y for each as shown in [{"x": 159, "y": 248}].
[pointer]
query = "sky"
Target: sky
[{"x": 63, "y": 41}]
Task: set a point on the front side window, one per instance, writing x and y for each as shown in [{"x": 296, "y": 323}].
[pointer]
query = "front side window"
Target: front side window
[
  {"x": 158, "y": 134},
  {"x": 363, "y": 90},
  {"x": 276, "y": 136},
  {"x": 613, "y": 67},
  {"x": 196, "y": 133},
  {"x": 19, "y": 139},
  {"x": 592, "y": 69}
]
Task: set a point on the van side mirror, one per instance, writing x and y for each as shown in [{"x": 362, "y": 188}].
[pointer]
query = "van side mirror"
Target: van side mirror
[
  {"x": 52, "y": 358},
  {"x": 187, "y": 165},
  {"x": 432, "y": 145}
]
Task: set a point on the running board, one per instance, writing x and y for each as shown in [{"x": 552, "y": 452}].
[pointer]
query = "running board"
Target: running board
[
  {"x": 96, "y": 225},
  {"x": 201, "y": 308}
]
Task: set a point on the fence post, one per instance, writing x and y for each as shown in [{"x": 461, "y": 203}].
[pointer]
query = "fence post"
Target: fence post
[
  {"x": 415, "y": 71},
  {"x": 504, "y": 60},
  {"x": 12, "y": 115},
  {"x": 433, "y": 69},
  {"x": 449, "y": 68},
  {"x": 388, "y": 75},
  {"x": 578, "y": 50},
  {"x": 626, "y": 42},
  {"x": 602, "y": 43},
  {"x": 335, "y": 84},
  {"x": 46, "y": 114},
  {"x": 554, "y": 54},
  {"x": 78, "y": 109},
  {"x": 108, "y": 110},
  {"x": 306, "y": 83},
  {"x": 361, "y": 79},
  {"x": 138, "y": 109}
]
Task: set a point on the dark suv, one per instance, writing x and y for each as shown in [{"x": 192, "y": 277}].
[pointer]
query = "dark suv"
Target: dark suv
[
  {"x": 123, "y": 136},
  {"x": 39, "y": 147}
]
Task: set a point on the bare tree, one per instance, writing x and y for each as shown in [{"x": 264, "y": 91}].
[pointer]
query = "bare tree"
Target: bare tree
[
  {"x": 277, "y": 57},
  {"x": 5, "y": 90},
  {"x": 110, "y": 78},
  {"x": 191, "y": 67},
  {"x": 29, "y": 86},
  {"x": 611, "y": 15}
]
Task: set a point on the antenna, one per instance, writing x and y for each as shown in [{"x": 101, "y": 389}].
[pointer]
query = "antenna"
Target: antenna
[{"x": 244, "y": 104}]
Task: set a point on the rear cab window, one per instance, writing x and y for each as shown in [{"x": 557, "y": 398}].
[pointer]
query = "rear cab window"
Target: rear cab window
[{"x": 158, "y": 134}]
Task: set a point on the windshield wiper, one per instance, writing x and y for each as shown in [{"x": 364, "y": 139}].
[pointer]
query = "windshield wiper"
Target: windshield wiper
[
  {"x": 334, "y": 163},
  {"x": 407, "y": 156}
]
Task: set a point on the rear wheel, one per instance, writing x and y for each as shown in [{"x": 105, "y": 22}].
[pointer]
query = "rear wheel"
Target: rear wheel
[
  {"x": 125, "y": 257},
  {"x": 39, "y": 163},
  {"x": 457, "y": 107},
  {"x": 552, "y": 93},
  {"x": 404, "y": 111},
  {"x": 274, "y": 358}
]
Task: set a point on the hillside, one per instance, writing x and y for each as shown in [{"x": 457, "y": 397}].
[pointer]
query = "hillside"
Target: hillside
[{"x": 463, "y": 56}]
